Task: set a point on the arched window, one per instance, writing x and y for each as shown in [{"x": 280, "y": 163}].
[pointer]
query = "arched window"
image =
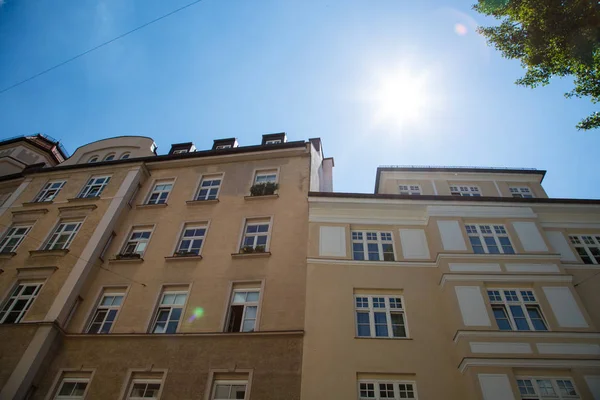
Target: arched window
[
  {"x": 125, "y": 156},
  {"x": 109, "y": 157},
  {"x": 93, "y": 159}
]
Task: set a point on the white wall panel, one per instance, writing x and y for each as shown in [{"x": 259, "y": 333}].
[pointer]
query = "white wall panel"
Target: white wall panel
[
  {"x": 472, "y": 306},
  {"x": 474, "y": 267},
  {"x": 531, "y": 268},
  {"x": 569, "y": 348},
  {"x": 332, "y": 241},
  {"x": 500, "y": 347},
  {"x": 495, "y": 387},
  {"x": 414, "y": 243},
  {"x": 560, "y": 244},
  {"x": 530, "y": 236},
  {"x": 452, "y": 238},
  {"x": 565, "y": 307},
  {"x": 593, "y": 382}
]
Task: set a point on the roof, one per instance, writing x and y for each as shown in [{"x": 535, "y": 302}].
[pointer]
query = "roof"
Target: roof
[{"x": 38, "y": 140}]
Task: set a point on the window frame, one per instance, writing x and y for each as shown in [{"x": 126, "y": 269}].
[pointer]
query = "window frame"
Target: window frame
[
  {"x": 62, "y": 381},
  {"x": 265, "y": 172},
  {"x": 152, "y": 191},
  {"x": 377, "y": 389},
  {"x": 180, "y": 151},
  {"x": 192, "y": 225},
  {"x": 106, "y": 157},
  {"x": 105, "y": 291},
  {"x": 211, "y": 178},
  {"x": 46, "y": 245},
  {"x": 171, "y": 290},
  {"x": 273, "y": 141},
  {"x": 7, "y": 305},
  {"x": 230, "y": 382},
  {"x": 371, "y": 310},
  {"x": 148, "y": 381},
  {"x": 7, "y": 236},
  {"x": 518, "y": 190},
  {"x": 459, "y": 190},
  {"x": 128, "y": 239},
  {"x": 521, "y": 303},
  {"x": 582, "y": 244},
  {"x": 494, "y": 234},
  {"x": 410, "y": 191},
  {"x": 554, "y": 382},
  {"x": 379, "y": 241},
  {"x": 92, "y": 159},
  {"x": 42, "y": 194},
  {"x": 125, "y": 156},
  {"x": 90, "y": 183},
  {"x": 223, "y": 147},
  {"x": 249, "y": 221},
  {"x": 244, "y": 287}
]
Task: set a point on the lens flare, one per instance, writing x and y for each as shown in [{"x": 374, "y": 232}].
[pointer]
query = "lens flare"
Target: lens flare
[
  {"x": 460, "y": 29},
  {"x": 198, "y": 313}
]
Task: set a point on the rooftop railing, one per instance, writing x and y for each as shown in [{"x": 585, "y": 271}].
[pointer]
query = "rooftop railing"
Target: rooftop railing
[
  {"x": 47, "y": 137},
  {"x": 455, "y": 167}
]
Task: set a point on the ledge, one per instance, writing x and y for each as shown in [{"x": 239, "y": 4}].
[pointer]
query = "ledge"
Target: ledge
[
  {"x": 36, "y": 203},
  {"x": 78, "y": 199},
  {"x": 251, "y": 255},
  {"x": 263, "y": 197},
  {"x": 382, "y": 338},
  {"x": 21, "y": 213},
  {"x": 6, "y": 256},
  {"x": 147, "y": 335},
  {"x": 79, "y": 207},
  {"x": 35, "y": 272},
  {"x": 55, "y": 252},
  {"x": 162, "y": 205},
  {"x": 198, "y": 202},
  {"x": 126, "y": 260},
  {"x": 183, "y": 258},
  {"x": 526, "y": 334}
]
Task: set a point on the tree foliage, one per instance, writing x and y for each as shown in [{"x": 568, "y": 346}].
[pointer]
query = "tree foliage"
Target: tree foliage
[{"x": 551, "y": 38}]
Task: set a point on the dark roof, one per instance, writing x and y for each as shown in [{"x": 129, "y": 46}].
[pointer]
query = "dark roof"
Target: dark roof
[
  {"x": 43, "y": 142},
  {"x": 484, "y": 170},
  {"x": 466, "y": 199}
]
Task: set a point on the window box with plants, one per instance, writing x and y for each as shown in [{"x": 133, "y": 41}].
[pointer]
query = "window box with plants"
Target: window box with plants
[
  {"x": 264, "y": 189},
  {"x": 128, "y": 256},
  {"x": 257, "y": 251},
  {"x": 184, "y": 253}
]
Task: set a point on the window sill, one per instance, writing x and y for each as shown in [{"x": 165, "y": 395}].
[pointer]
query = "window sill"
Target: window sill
[
  {"x": 55, "y": 252},
  {"x": 6, "y": 256},
  {"x": 36, "y": 203},
  {"x": 162, "y": 205},
  {"x": 78, "y": 199},
  {"x": 251, "y": 255},
  {"x": 126, "y": 260},
  {"x": 183, "y": 258},
  {"x": 262, "y": 197},
  {"x": 198, "y": 202},
  {"x": 382, "y": 338}
]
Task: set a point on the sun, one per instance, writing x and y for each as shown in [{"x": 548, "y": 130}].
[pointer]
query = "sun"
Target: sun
[{"x": 401, "y": 97}]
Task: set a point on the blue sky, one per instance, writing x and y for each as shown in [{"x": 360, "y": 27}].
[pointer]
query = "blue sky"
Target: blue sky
[{"x": 327, "y": 68}]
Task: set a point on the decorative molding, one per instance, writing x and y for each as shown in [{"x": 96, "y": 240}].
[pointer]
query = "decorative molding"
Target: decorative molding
[
  {"x": 470, "y": 362},
  {"x": 500, "y": 257},
  {"x": 198, "y": 202},
  {"x": 372, "y": 263},
  {"x": 500, "y": 347},
  {"x": 526, "y": 334},
  {"x": 474, "y": 267},
  {"x": 575, "y": 225},
  {"x": 82, "y": 210},
  {"x": 42, "y": 253},
  {"x": 504, "y": 278},
  {"x": 368, "y": 220},
  {"x": 264, "y": 197},
  {"x": 162, "y": 205},
  {"x": 35, "y": 272},
  {"x": 36, "y": 203},
  {"x": 183, "y": 258},
  {"x": 540, "y": 268},
  {"x": 23, "y": 215},
  {"x": 83, "y": 199},
  {"x": 7, "y": 256},
  {"x": 569, "y": 348},
  {"x": 581, "y": 266},
  {"x": 480, "y": 211}
]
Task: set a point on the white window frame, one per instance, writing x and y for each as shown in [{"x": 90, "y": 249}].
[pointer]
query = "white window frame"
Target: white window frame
[
  {"x": 93, "y": 185},
  {"x": 555, "y": 386},
  {"x": 72, "y": 380},
  {"x": 274, "y": 141},
  {"x": 58, "y": 232},
  {"x": 10, "y": 234},
  {"x": 494, "y": 231},
  {"x": 256, "y": 222},
  {"x": 365, "y": 237},
  {"x": 209, "y": 178},
  {"x": 410, "y": 189},
  {"x": 125, "y": 156},
  {"x": 376, "y": 384},
  {"x": 266, "y": 172},
  {"x": 227, "y": 383},
  {"x": 370, "y": 310},
  {"x": 137, "y": 241},
  {"x": 48, "y": 192},
  {"x": 160, "y": 192},
  {"x": 525, "y": 299},
  {"x": 15, "y": 295},
  {"x": 92, "y": 159},
  {"x": 180, "y": 151},
  {"x": 223, "y": 147},
  {"x": 586, "y": 245},
  {"x": 161, "y": 306},
  {"x": 140, "y": 381},
  {"x": 112, "y": 156},
  {"x": 108, "y": 308},
  {"x": 193, "y": 238},
  {"x": 521, "y": 191},
  {"x": 246, "y": 304},
  {"x": 465, "y": 190}
]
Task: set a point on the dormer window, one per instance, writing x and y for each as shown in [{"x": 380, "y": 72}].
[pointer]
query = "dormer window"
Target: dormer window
[
  {"x": 223, "y": 146},
  {"x": 278, "y": 141},
  {"x": 182, "y": 148},
  {"x": 93, "y": 159},
  {"x": 274, "y": 138},
  {"x": 182, "y": 151},
  {"x": 109, "y": 157},
  {"x": 125, "y": 156}
]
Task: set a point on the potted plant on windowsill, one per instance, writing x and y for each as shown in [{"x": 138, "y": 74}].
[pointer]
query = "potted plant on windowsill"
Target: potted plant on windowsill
[
  {"x": 259, "y": 249},
  {"x": 264, "y": 189},
  {"x": 184, "y": 253},
  {"x": 247, "y": 249},
  {"x": 129, "y": 256}
]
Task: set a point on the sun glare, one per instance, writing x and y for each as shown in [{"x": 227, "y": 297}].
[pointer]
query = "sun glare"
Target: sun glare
[{"x": 401, "y": 97}]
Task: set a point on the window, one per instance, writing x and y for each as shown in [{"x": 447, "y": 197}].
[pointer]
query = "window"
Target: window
[
  {"x": 160, "y": 192},
  {"x": 209, "y": 187},
  {"x": 546, "y": 388},
  {"x": 191, "y": 240},
  {"x": 19, "y": 302},
  {"x": 380, "y": 316},
  {"x": 265, "y": 176},
  {"x": 106, "y": 311},
  {"x": 137, "y": 242},
  {"x": 491, "y": 239},
  {"x": 256, "y": 235},
  {"x": 465, "y": 191},
  {"x": 94, "y": 187},
  {"x": 277, "y": 141},
  {"x": 524, "y": 192},
  {"x": 13, "y": 238},
  {"x": 243, "y": 310},
  {"x": 169, "y": 311},
  {"x": 109, "y": 157},
  {"x": 49, "y": 192},
  {"x": 142, "y": 389},
  {"x": 410, "y": 189},
  {"x": 223, "y": 146},
  {"x": 125, "y": 156},
  {"x": 588, "y": 247},
  {"x": 93, "y": 159},
  {"x": 72, "y": 389},
  {"x": 372, "y": 246},
  {"x": 516, "y": 310},
  {"x": 386, "y": 390},
  {"x": 62, "y": 236},
  {"x": 225, "y": 390},
  {"x": 180, "y": 151}
]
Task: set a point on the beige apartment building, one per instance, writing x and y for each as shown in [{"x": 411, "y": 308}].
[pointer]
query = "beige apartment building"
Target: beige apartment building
[
  {"x": 130, "y": 275},
  {"x": 452, "y": 283}
]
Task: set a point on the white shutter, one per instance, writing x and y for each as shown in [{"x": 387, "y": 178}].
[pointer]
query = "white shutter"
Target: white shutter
[
  {"x": 332, "y": 241},
  {"x": 472, "y": 306},
  {"x": 560, "y": 244},
  {"x": 530, "y": 236},
  {"x": 565, "y": 307},
  {"x": 452, "y": 237},
  {"x": 495, "y": 387},
  {"x": 414, "y": 243}
]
